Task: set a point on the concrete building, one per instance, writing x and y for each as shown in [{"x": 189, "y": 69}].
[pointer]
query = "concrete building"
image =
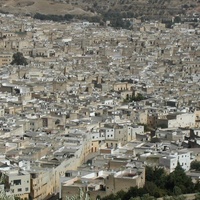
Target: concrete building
[{"x": 18, "y": 182}]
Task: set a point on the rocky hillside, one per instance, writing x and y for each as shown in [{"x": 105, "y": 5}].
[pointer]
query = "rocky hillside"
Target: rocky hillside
[
  {"x": 146, "y": 9},
  {"x": 41, "y": 6}
]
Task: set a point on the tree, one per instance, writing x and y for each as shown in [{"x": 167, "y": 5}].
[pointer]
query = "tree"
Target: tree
[
  {"x": 156, "y": 175},
  {"x": 98, "y": 197},
  {"x": 180, "y": 197},
  {"x": 177, "y": 191},
  {"x": 120, "y": 194},
  {"x": 160, "y": 184},
  {"x": 147, "y": 197},
  {"x": 197, "y": 196},
  {"x": 177, "y": 19},
  {"x": 19, "y": 59},
  {"x": 135, "y": 198},
  {"x": 151, "y": 188},
  {"x": 197, "y": 187},
  {"x": 195, "y": 165},
  {"x": 180, "y": 179}
]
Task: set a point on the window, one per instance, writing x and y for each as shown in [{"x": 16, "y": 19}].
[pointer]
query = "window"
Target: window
[
  {"x": 26, "y": 189},
  {"x": 17, "y": 182},
  {"x": 19, "y": 189}
]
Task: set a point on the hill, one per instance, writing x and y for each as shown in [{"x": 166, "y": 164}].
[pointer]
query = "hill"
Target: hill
[
  {"x": 41, "y": 6},
  {"x": 146, "y": 9}
]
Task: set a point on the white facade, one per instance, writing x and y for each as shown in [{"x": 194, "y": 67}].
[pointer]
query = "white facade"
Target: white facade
[
  {"x": 110, "y": 133},
  {"x": 109, "y": 102},
  {"x": 182, "y": 120},
  {"x": 19, "y": 182},
  {"x": 132, "y": 131},
  {"x": 170, "y": 161},
  {"x": 98, "y": 136}
]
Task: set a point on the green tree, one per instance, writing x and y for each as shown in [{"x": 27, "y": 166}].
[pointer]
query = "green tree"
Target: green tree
[
  {"x": 120, "y": 194},
  {"x": 19, "y": 59},
  {"x": 152, "y": 189},
  {"x": 177, "y": 191},
  {"x": 147, "y": 197},
  {"x": 134, "y": 192},
  {"x": 197, "y": 187},
  {"x": 180, "y": 197},
  {"x": 156, "y": 175},
  {"x": 98, "y": 197},
  {"x": 177, "y": 19},
  {"x": 197, "y": 196},
  {"x": 195, "y": 165},
  {"x": 109, "y": 197},
  {"x": 180, "y": 179},
  {"x": 159, "y": 184},
  {"x": 135, "y": 198}
]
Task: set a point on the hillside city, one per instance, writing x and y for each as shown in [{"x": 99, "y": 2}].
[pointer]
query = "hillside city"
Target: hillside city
[{"x": 94, "y": 105}]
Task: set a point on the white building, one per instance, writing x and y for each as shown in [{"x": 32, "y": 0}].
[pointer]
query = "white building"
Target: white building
[
  {"x": 182, "y": 120},
  {"x": 171, "y": 160},
  {"x": 133, "y": 131},
  {"x": 18, "y": 183}
]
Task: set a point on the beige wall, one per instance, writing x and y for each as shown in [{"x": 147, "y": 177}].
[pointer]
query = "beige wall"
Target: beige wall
[
  {"x": 35, "y": 124},
  {"x": 17, "y": 131},
  {"x": 114, "y": 164},
  {"x": 42, "y": 185},
  {"x": 71, "y": 190},
  {"x": 120, "y": 86},
  {"x": 48, "y": 182},
  {"x": 125, "y": 94},
  {"x": 95, "y": 146},
  {"x": 115, "y": 184},
  {"x": 143, "y": 117},
  {"x": 152, "y": 120},
  {"x": 59, "y": 86},
  {"x": 5, "y": 59}
]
